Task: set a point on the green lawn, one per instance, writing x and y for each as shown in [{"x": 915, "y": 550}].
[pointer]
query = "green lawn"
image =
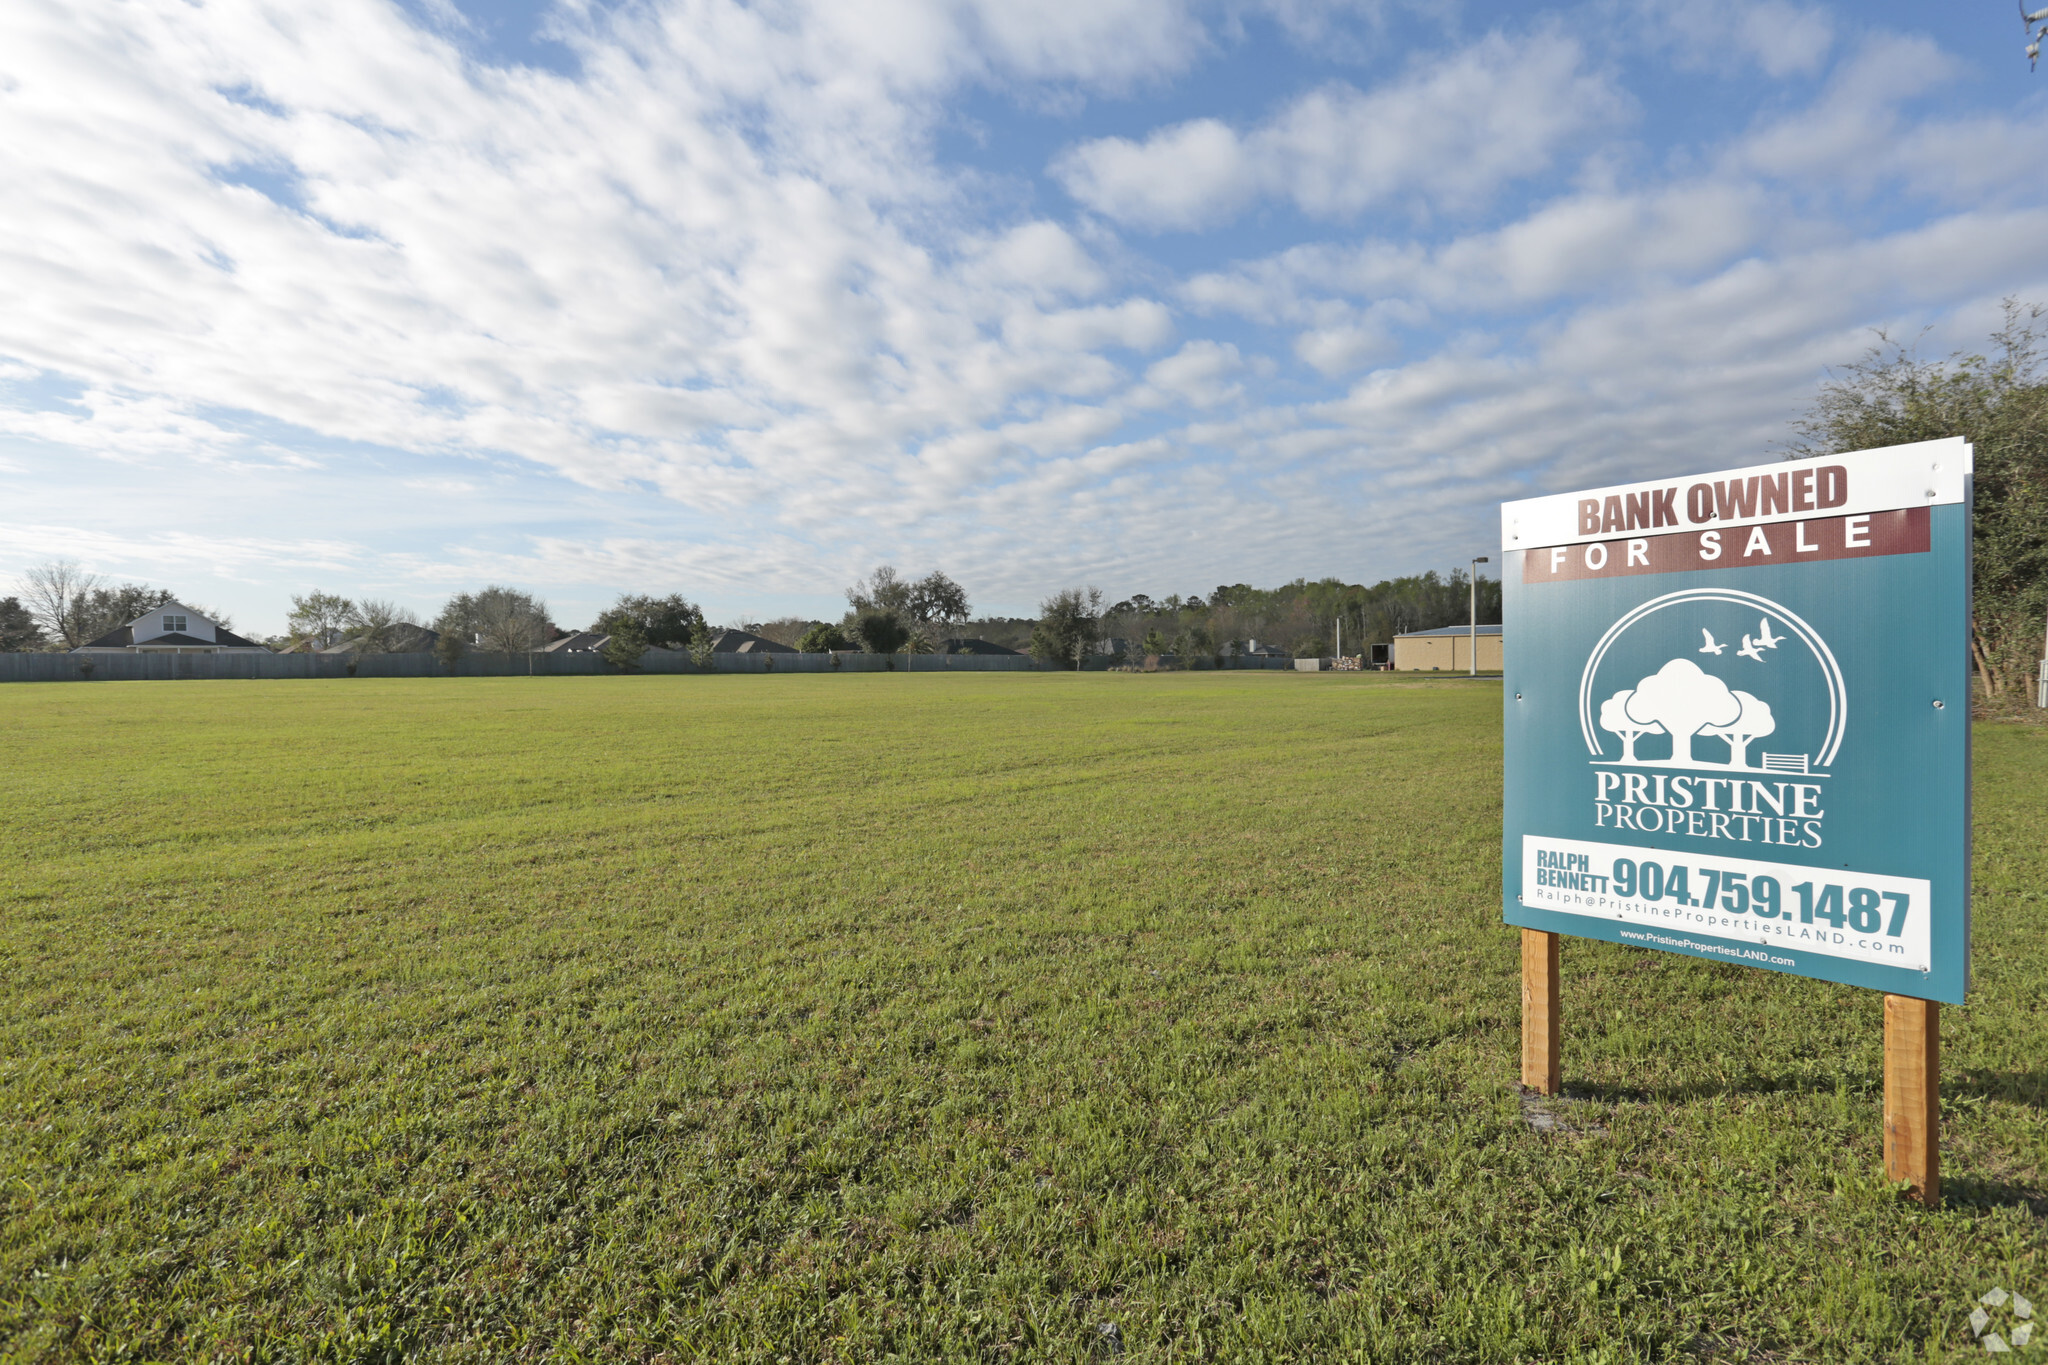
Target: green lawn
[{"x": 986, "y": 1017}]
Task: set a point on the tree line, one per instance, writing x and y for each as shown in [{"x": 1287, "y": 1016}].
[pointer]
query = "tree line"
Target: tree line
[
  {"x": 1303, "y": 618},
  {"x": 1998, "y": 400}
]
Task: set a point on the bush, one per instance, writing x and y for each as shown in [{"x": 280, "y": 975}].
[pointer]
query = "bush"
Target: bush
[
  {"x": 701, "y": 652},
  {"x": 823, "y": 638},
  {"x": 881, "y": 630},
  {"x": 627, "y": 644}
]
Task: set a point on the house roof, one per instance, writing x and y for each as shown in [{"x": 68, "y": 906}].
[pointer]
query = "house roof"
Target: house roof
[
  {"x": 746, "y": 642},
  {"x": 1484, "y": 629},
  {"x": 123, "y": 637},
  {"x": 970, "y": 645},
  {"x": 178, "y": 639},
  {"x": 582, "y": 642},
  {"x": 406, "y": 638}
]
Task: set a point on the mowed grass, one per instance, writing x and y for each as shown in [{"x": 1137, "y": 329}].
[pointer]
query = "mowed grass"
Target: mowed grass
[{"x": 1027, "y": 1017}]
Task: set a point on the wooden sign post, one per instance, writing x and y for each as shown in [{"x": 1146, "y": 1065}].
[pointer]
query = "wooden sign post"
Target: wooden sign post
[
  {"x": 1715, "y": 747},
  {"x": 1912, "y": 1096},
  {"x": 1542, "y": 1045}
]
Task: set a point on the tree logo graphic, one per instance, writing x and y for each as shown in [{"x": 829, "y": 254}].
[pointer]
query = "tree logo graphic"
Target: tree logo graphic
[{"x": 1654, "y": 696}]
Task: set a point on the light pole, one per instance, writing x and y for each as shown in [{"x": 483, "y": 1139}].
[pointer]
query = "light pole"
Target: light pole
[
  {"x": 2041, "y": 675},
  {"x": 1473, "y": 581}
]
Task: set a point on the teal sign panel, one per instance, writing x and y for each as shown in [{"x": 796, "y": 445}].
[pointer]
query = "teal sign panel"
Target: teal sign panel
[{"x": 1737, "y": 716}]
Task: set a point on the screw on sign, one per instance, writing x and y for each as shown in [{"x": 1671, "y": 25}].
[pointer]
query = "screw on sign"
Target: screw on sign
[{"x": 1718, "y": 745}]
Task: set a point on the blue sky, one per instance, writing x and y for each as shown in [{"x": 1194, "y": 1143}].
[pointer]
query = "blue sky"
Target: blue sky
[{"x": 740, "y": 300}]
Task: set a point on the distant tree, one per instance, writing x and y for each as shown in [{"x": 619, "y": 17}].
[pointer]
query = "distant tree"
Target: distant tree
[
  {"x": 703, "y": 641},
  {"x": 880, "y": 629},
  {"x": 1193, "y": 641},
  {"x": 882, "y": 590},
  {"x": 498, "y": 618},
  {"x": 1754, "y": 722},
  {"x": 924, "y": 609},
  {"x": 377, "y": 626},
  {"x": 627, "y": 643},
  {"x": 663, "y": 622},
  {"x": 1155, "y": 643},
  {"x": 19, "y": 633},
  {"x": 1311, "y": 647},
  {"x": 936, "y": 601},
  {"x": 1066, "y": 625},
  {"x": 1999, "y": 402},
  {"x": 822, "y": 638},
  {"x": 54, "y": 592},
  {"x": 319, "y": 619},
  {"x": 1614, "y": 716},
  {"x": 449, "y": 648}
]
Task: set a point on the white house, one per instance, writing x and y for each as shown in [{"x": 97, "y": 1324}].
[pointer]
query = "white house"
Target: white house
[{"x": 172, "y": 628}]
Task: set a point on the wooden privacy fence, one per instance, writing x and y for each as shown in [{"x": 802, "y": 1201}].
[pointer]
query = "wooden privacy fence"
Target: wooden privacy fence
[
  {"x": 197, "y": 667},
  {"x": 476, "y": 664}
]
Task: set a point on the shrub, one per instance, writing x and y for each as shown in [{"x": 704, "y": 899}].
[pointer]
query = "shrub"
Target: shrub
[
  {"x": 822, "y": 638},
  {"x": 701, "y": 652},
  {"x": 627, "y": 644},
  {"x": 881, "y": 630}
]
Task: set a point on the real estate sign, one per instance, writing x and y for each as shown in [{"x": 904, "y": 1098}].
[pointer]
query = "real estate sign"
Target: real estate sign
[{"x": 1737, "y": 716}]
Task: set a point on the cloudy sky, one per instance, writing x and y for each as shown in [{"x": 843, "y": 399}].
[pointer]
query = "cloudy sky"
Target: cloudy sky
[{"x": 740, "y": 299}]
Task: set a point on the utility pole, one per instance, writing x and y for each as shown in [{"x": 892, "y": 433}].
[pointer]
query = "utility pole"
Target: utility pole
[{"x": 1473, "y": 582}]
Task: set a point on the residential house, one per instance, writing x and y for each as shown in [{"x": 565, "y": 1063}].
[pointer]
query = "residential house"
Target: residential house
[{"x": 172, "y": 628}]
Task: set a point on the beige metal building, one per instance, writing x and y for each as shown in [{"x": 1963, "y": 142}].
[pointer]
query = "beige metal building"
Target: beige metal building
[{"x": 1447, "y": 649}]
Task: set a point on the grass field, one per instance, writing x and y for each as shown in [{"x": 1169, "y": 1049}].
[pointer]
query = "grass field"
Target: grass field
[{"x": 995, "y": 1017}]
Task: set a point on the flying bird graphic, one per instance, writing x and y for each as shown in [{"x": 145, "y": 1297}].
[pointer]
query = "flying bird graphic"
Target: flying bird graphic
[
  {"x": 1764, "y": 636},
  {"x": 1710, "y": 647},
  {"x": 1749, "y": 650}
]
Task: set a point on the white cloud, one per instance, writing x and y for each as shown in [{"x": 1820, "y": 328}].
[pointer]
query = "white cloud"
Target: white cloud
[
  {"x": 712, "y": 315},
  {"x": 716, "y": 264},
  {"x": 1201, "y": 374},
  {"x": 1338, "y": 350},
  {"x": 1448, "y": 133},
  {"x": 1775, "y": 37},
  {"x": 1849, "y": 135},
  {"x": 1180, "y": 177},
  {"x": 1044, "y": 258}
]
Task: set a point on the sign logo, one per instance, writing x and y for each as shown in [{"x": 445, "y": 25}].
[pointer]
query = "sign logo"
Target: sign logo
[{"x": 1713, "y": 713}]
